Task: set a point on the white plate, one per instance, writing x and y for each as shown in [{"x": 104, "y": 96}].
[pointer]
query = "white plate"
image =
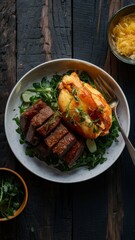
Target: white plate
[{"x": 39, "y": 167}]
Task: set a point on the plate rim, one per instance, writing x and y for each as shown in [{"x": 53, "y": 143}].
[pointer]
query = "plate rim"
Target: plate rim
[{"x": 79, "y": 61}]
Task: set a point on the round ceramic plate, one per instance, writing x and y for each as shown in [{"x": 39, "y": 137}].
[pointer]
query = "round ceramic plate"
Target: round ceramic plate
[{"x": 38, "y": 167}]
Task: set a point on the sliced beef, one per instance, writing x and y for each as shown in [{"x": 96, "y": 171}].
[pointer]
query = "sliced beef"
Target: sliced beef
[
  {"x": 48, "y": 135},
  {"x": 74, "y": 153},
  {"x": 63, "y": 146},
  {"x": 56, "y": 135},
  {"x": 49, "y": 126},
  {"x": 41, "y": 151},
  {"x": 43, "y": 115},
  {"x": 26, "y": 117}
]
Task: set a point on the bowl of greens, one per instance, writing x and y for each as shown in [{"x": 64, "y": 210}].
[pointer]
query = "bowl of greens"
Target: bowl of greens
[
  {"x": 40, "y": 87},
  {"x": 13, "y": 194}
]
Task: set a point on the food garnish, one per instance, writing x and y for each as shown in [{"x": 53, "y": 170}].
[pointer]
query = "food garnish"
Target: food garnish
[
  {"x": 91, "y": 144},
  {"x": 11, "y": 195},
  {"x": 47, "y": 130},
  {"x": 84, "y": 107}
]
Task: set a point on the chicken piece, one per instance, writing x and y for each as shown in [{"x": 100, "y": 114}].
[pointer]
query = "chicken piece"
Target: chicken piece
[{"x": 83, "y": 107}]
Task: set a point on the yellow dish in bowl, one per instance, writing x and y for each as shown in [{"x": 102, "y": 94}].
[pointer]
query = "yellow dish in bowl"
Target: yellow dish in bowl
[{"x": 121, "y": 34}]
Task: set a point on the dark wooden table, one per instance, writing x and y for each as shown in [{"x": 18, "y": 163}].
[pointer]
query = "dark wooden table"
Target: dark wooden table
[{"x": 34, "y": 31}]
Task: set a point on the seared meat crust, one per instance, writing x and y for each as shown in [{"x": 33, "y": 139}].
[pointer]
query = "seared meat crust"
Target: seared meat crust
[
  {"x": 44, "y": 114},
  {"x": 63, "y": 146},
  {"x": 56, "y": 135},
  {"x": 26, "y": 117}
]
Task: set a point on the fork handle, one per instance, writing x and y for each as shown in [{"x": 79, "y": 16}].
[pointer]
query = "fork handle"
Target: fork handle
[{"x": 129, "y": 145}]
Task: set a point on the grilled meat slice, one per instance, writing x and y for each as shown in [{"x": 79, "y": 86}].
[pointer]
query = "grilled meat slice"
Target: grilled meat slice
[
  {"x": 56, "y": 135},
  {"x": 64, "y": 145},
  {"x": 41, "y": 151},
  {"x": 26, "y": 117},
  {"x": 40, "y": 122},
  {"x": 74, "y": 153},
  {"x": 43, "y": 115},
  {"x": 49, "y": 126}
]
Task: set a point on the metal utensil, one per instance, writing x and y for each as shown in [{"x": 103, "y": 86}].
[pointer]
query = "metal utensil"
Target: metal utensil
[{"x": 113, "y": 101}]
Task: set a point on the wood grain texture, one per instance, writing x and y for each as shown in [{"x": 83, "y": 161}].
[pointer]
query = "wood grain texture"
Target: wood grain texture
[
  {"x": 116, "y": 189},
  {"x": 99, "y": 209},
  {"x": 128, "y": 170},
  {"x": 7, "y": 81},
  {"x": 56, "y": 29},
  {"x": 7, "y": 70},
  {"x": 89, "y": 43},
  {"x": 43, "y": 32},
  {"x": 115, "y": 203},
  {"x": 90, "y": 209},
  {"x": 29, "y": 36},
  {"x": 49, "y": 210},
  {"x": 90, "y": 23}
]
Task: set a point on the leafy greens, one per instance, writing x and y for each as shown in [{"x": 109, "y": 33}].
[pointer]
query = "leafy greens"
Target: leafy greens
[{"x": 48, "y": 92}]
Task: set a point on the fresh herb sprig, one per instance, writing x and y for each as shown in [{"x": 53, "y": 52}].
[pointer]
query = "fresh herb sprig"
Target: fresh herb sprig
[
  {"x": 45, "y": 90},
  {"x": 48, "y": 91},
  {"x": 11, "y": 195},
  {"x": 91, "y": 160}
]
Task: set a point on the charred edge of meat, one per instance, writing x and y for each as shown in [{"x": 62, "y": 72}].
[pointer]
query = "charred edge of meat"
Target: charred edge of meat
[
  {"x": 27, "y": 116},
  {"x": 56, "y": 135},
  {"x": 41, "y": 151},
  {"x": 74, "y": 153},
  {"x": 49, "y": 126},
  {"x": 63, "y": 146},
  {"x": 50, "y": 137},
  {"x": 43, "y": 115}
]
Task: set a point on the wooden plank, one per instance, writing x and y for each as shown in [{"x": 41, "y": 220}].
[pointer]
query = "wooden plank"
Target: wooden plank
[
  {"x": 128, "y": 169},
  {"x": 43, "y": 34},
  {"x": 120, "y": 222},
  {"x": 7, "y": 81},
  {"x": 90, "y": 23},
  {"x": 57, "y": 40},
  {"x": 7, "y": 70},
  {"x": 92, "y": 46},
  {"x": 115, "y": 203},
  {"x": 90, "y": 209},
  {"x": 49, "y": 210},
  {"x": 29, "y": 36}
]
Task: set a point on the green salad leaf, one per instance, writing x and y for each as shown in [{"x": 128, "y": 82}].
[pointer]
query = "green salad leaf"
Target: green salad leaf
[
  {"x": 47, "y": 90},
  {"x": 11, "y": 195}
]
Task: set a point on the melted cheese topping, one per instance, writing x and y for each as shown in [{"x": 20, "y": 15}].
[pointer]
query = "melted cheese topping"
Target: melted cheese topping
[{"x": 124, "y": 36}]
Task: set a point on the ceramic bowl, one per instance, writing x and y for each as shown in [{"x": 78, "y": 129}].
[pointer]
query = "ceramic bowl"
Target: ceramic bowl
[
  {"x": 11, "y": 175},
  {"x": 33, "y": 164},
  {"x": 112, "y": 23}
]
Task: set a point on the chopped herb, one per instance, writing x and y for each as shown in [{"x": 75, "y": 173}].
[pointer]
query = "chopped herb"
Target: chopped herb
[
  {"x": 17, "y": 120},
  {"x": 84, "y": 76},
  {"x": 11, "y": 195},
  {"x": 47, "y": 90},
  {"x": 74, "y": 93},
  {"x": 29, "y": 151}
]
